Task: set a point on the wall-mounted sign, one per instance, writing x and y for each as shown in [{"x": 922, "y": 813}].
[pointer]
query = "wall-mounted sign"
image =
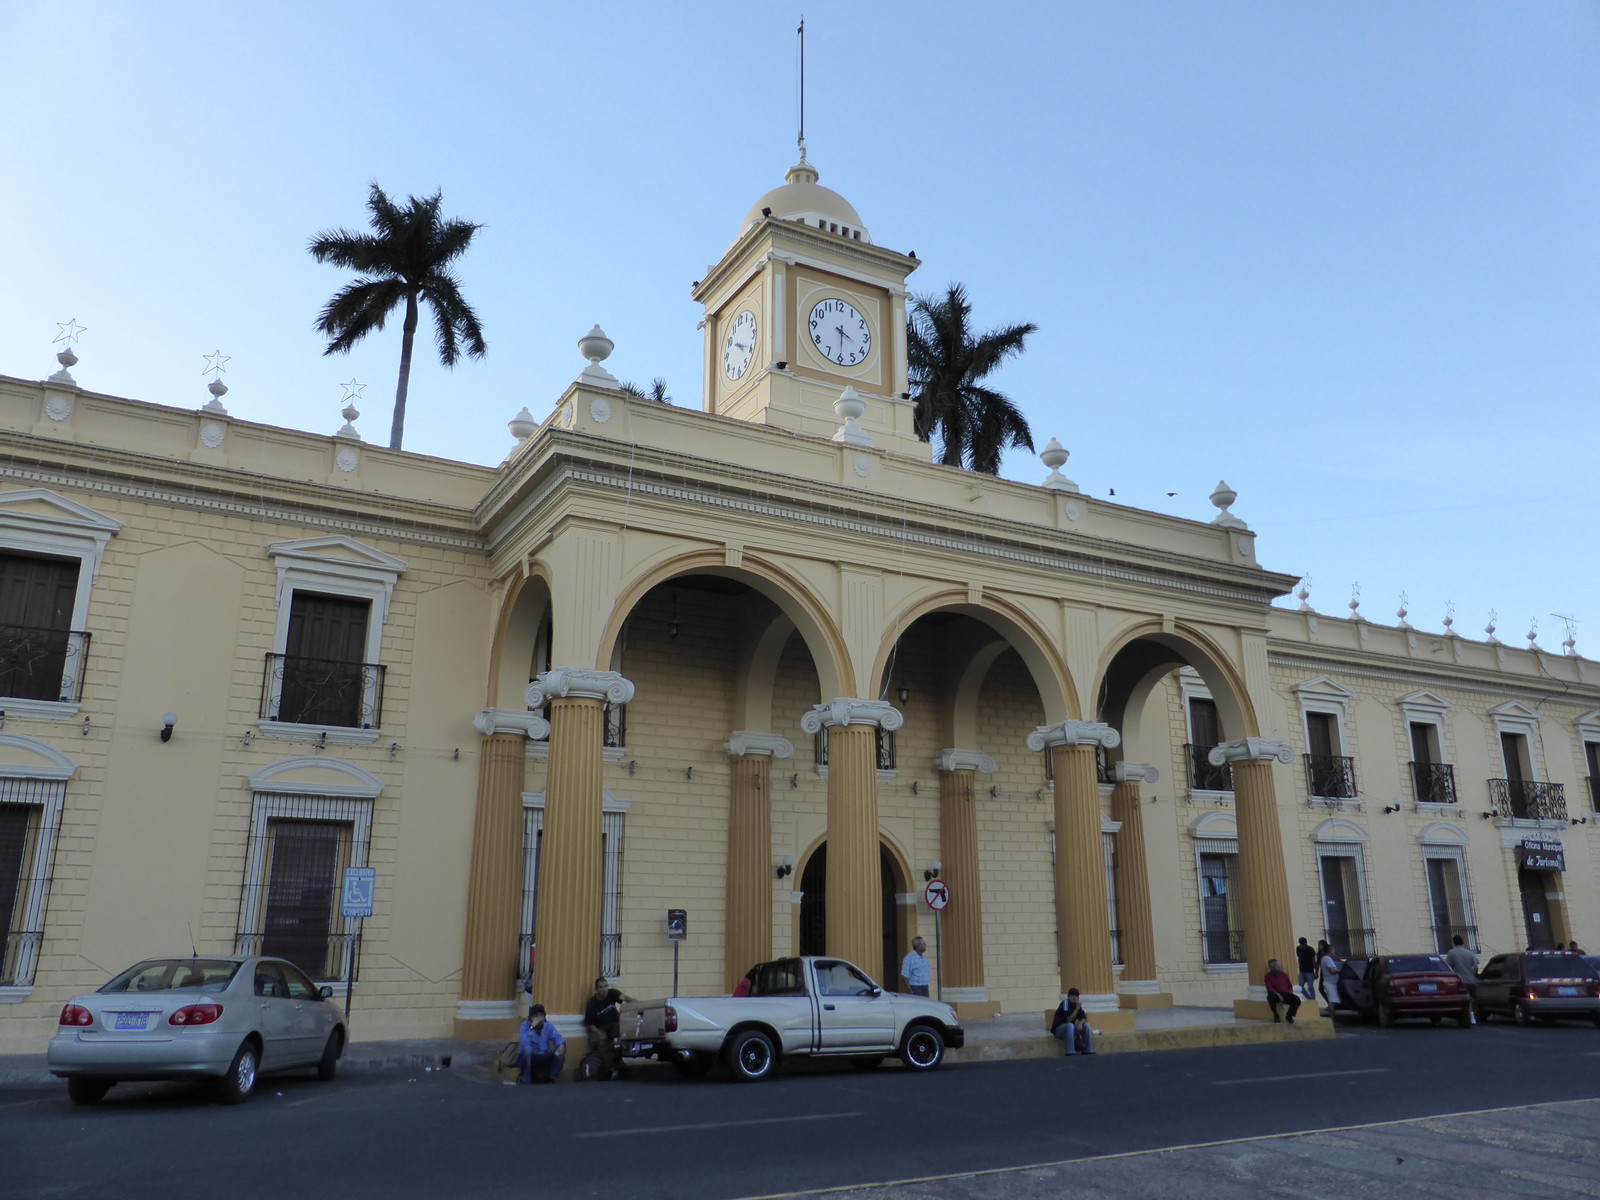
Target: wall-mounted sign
[{"x": 1534, "y": 854}]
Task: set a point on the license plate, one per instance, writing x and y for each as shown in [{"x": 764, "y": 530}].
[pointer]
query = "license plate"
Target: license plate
[
  {"x": 130, "y": 1021},
  {"x": 1569, "y": 991},
  {"x": 1427, "y": 987}
]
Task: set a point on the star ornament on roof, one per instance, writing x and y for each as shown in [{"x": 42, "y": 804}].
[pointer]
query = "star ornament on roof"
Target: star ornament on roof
[
  {"x": 215, "y": 363},
  {"x": 352, "y": 391},
  {"x": 69, "y": 331}
]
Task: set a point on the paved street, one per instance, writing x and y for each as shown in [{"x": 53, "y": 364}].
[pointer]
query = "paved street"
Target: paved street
[{"x": 448, "y": 1133}]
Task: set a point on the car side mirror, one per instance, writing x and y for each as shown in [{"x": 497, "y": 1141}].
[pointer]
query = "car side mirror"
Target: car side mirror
[
  {"x": 876, "y": 991},
  {"x": 325, "y": 992}
]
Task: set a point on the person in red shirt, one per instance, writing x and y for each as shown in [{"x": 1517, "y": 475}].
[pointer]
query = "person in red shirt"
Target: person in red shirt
[{"x": 1280, "y": 990}]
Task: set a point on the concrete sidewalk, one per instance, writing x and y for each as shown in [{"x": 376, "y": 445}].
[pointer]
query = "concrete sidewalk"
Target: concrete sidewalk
[{"x": 989, "y": 1039}]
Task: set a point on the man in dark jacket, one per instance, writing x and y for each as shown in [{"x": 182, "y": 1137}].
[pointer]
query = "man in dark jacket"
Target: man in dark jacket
[
  {"x": 1071, "y": 1025},
  {"x": 603, "y": 1023}
]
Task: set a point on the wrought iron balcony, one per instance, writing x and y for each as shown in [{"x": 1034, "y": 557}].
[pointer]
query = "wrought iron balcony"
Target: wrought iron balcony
[
  {"x": 883, "y": 740},
  {"x": 1203, "y": 777},
  {"x": 1116, "y": 947},
  {"x": 1102, "y": 766},
  {"x": 42, "y": 664},
  {"x": 1352, "y": 943},
  {"x": 1527, "y": 800},
  {"x": 1330, "y": 776},
  {"x": 1222, "y": 945},
  {"x": 321, "y": 691},
  {"x": 1435, "y": 783},
  {"x": 1444, "y": 936}
]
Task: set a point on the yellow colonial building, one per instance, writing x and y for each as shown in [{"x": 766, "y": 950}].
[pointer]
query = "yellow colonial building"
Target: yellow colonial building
[{"x": 762, "y": 662}]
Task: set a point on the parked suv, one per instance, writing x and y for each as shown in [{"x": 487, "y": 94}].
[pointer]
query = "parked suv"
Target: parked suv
[{"x": 1539, "y": 983}]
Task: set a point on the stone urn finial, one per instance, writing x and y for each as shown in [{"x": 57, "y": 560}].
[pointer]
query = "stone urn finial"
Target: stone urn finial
[
  {"x": 218, "y": 390},
  {"x": 1055, "y": 456},
  {"x": 850, "y": 408},
  {"x": 597, "y": 347},
  {"x": 1222, "y": 496},
  {"x": 522, "y": 426},
  {"x": 348, "y": 429}
]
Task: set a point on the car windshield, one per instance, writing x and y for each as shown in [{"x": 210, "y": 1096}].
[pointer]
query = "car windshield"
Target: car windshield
[
  {"x": 174, "y": 974},
  {"x": 1557, "y": 966},
  {"x": 1418, "y": 964}
]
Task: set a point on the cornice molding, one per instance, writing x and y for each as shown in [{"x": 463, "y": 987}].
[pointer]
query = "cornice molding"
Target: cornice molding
[{"x": 1074, "y": 733}]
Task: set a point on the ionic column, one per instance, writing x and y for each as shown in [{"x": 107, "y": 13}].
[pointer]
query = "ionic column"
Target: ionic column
[
  {"x": 1263, "y": 882},
  {"x": 748, "y": 937},
  {"x": 961, "y": 931},
  {"x": 490, "y": 954},
  {"x": 1083, "y": 920},
  {"x": 570, "y": 859},
  {"x": 855, "y": 902},
  {"x": 1138, "y": 987}
]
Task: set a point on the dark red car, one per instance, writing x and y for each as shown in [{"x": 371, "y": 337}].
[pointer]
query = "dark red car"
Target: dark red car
[{"x": 1404, "y": 985}]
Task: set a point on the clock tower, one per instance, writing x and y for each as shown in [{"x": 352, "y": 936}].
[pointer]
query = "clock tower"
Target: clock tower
[{"x": 802, "y": 306}]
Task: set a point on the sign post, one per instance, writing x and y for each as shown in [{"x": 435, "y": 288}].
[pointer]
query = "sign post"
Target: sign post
[
  {"x": 677, "y": 931},
  {"x": 937, "y": 894},
  {"x": 359, "y": 885}
]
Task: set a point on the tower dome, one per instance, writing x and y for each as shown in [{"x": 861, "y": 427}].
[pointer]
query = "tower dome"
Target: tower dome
[{"x": 803, "y": 199}]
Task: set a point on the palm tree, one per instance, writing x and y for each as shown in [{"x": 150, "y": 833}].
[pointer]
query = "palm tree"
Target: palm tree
[
  {"x": 947, "y": 362},
  {"x": 407, "y": 258},
  {"x": 657, "y": 392}
]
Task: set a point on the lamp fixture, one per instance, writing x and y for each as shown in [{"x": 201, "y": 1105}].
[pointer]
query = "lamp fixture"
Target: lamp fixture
[
  {"x": 1580, "y": 820},
  {"x": 168, "y": 721},
  {"x": 1391, "y": 808},
  {"x": 905, "y": 694},
  {"x": 782, "y": 366},
  {"x": 1487, "y": 815},
  {"x": 933, "y": 870},
  {"x": 786, "y": 867}
]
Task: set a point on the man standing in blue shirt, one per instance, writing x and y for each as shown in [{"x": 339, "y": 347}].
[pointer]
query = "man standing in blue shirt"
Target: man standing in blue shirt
[{"x": 914, "y": 970}]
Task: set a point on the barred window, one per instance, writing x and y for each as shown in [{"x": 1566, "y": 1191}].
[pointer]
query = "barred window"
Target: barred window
[
  {"x": 610, "y": 959},
  {"x": 30, "y": 817},
  {"x": 294, "y": 867}
]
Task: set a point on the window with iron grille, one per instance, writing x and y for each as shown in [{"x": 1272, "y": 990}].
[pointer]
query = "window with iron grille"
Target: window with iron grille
[
  {"x": 609, "y": 960},
  {"x": 294, "y": 870},
  {"x": 321, "y": 678},
  {"x": 1220, "y": 935},
  {"x": 40, "y": 652},
  {"x": 30, "y": 818}
]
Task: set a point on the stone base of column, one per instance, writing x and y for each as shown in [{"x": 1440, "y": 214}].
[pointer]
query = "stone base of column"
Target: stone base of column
[
  {"x": 969, "y": 1010},
  {"x": 1142, "y": 993},
  {"x": 486, "y": 1020},
  {"x": 1106, "y": 1012},
  {"x": 1260, "y": 1010}
]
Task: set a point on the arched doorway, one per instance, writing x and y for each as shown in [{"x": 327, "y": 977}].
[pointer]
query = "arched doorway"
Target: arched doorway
[{"x": 814, "y": 913}]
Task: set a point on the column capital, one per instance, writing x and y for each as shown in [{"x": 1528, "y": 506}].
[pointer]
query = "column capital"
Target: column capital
[
  {"x": 1074, "y": 733},
  {"x": 845, "y": 711},
  {"x": 1129, "y": 772},
  {"x": 512, "y": 720},
  {"x": 1250, "y": 750},
  {"x": 578, "y": 681},
  {"x": 745, "y": 742},
  {"x": 963, "y": 760}
]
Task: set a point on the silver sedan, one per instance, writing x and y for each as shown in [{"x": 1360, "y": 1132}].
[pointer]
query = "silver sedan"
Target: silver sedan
[{"x": 225, "y": 1019}]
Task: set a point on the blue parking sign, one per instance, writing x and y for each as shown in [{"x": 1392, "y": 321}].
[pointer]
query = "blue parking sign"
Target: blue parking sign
[{"x": 359, "y": 885}]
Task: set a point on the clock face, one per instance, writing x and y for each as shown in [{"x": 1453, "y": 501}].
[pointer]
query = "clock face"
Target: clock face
[
  {"x": 840, "y": 333},
  {"x": 739, "y": 347}
]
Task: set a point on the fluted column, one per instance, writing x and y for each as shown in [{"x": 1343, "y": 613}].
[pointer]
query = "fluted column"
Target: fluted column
[
  {"x": 1138, "y": 987},
  {"x": 1083, "y": 920},
  {"x": 855, "y": 913},
  {"x": 489, "y": 967},
  {"x": 1263, "y": 882},
  {"x": 961, "y": 935},
  {"x": 571, "y": 857},
  {"x": 748, "y": 937}
]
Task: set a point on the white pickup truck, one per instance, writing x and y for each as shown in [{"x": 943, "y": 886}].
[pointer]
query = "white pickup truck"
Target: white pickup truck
[{"x": 796, "y": 1007}]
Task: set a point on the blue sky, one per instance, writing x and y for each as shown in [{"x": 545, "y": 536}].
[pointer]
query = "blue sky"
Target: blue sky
[{"x": 1343, "y": 255}]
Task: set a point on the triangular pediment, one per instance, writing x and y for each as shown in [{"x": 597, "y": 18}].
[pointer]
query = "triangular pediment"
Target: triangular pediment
[
  {"x": 1514, "y": 709},
  {"x": 1589, "y": 725},
  {"x": 40, "y": 507},
  {"x": 336, "y": 551},
  {"x": 1323, "y": 686},
  {"x": 1424, "y": 699}
]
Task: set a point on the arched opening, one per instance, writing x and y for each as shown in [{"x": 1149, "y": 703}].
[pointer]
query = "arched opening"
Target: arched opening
[{"x": 814, "y": 912}]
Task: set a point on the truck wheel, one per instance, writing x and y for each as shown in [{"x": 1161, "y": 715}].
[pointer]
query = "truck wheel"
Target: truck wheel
[
  {"x": 1520, "y": 1014},
  {"x": 751, "y": 1056},
  {"x": 83, "y": 1090},
  {"x": 923, "y": 1048},
  {"x": 693, "y": 1064}
]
